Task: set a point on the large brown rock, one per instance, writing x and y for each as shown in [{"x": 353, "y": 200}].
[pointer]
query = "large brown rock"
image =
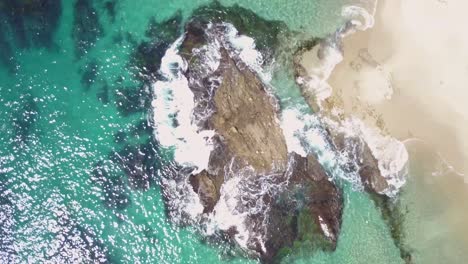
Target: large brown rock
[
  {"x": 206, "y": 187},
  {"x": 246, "y": 119},
  {"x": 303, "y": 205}
]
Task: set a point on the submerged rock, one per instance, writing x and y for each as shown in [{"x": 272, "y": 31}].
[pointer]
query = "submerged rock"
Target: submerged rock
[
  {"x": 111, "y": 7},
  {"x": 27, "y": 24},
  {"x": 139, "y": 163},
  {"x": 146, "y": 59},
  {"x": 25, "y": 118},
  {"x": 31, "y": 22},
  {"x": 87, "y": 27},
  {"x": 266, "y": 32},
  {"x": 89, "y": 74},
  {"x": 132, "y": 100}
]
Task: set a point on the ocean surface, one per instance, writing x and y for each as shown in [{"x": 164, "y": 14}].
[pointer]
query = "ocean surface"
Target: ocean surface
[{"x": 73, "y": 125}]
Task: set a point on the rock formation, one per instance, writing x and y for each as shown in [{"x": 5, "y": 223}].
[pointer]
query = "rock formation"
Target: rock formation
[
  {"x": 300, "y": 202},
  {"x": 285, "y": 201}
]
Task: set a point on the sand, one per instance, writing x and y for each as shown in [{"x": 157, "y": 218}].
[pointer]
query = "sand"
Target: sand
[
  {"x": 411, "y": 72},
  {"x": 408, "y": 75}
]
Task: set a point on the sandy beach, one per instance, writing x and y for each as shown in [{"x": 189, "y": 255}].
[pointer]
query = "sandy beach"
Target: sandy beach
[{"x": 408, "y": 75}]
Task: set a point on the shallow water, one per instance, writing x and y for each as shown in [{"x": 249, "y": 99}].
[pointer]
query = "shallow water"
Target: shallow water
[
  {"x": 435, "y": 224},
  {"x": 64, "y": 192}
]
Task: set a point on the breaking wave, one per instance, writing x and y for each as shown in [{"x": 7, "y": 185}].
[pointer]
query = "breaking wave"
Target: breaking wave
[
  {"x": 305, "y": 134},
  {"x": 173, "y": 106},
  {"x": 390, "y": 153}
]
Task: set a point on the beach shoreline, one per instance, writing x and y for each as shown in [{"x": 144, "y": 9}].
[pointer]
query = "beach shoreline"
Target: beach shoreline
[{"x": 405, "y": 75}]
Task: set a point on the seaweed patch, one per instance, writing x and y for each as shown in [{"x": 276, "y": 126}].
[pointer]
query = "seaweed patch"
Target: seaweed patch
[
  {"x": 132, "y": 100},
  {"x": 146, "y": 59},
  {"x": 32, "y": 23},
  {"x": 25, "y": 118},
  {"x": 89, "y": 74},
  {"x": 86, "y": 27},
  {"x": 113, "y": 187},
  {"x": 139, "y": 163}
]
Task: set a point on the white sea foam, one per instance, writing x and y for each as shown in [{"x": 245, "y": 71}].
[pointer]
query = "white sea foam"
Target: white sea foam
[
  {"x": 324, "y": 57},
  {"x": 242, "y": 205},
  {"x": 173, "y": 114},
  {"x": 302, "y": 131},
  {"x": 320, "y": 62},
  {"x": 245, "y": 48},
  {"x": 305, "y": 135},
  {"x": 358, "y": 16},
  {"x": 183, "y": 202},
  {"x": 390, "y": 153},
  {"x": 325, "y": 228},
  {"x": 291, "y": 125},
  {"x": 225, "y": 214},
  {"x": 210, "y": 54}
]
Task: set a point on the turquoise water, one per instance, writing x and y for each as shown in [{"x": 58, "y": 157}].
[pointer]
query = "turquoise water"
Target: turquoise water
[{"x": 69, "y": 134}]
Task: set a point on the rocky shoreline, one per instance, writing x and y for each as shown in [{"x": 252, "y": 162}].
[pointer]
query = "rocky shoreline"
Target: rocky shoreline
[
  {"x": 354, "y": 146},
  {"x": 262, "y": 197},
  {"x": 249, "y": 142}
]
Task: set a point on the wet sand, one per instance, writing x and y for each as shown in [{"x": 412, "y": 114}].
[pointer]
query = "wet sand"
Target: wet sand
[
  {"x": 409, "y": 73},
  {"x": 437, "y": 216},
  {"x": 409, "y": 76}
]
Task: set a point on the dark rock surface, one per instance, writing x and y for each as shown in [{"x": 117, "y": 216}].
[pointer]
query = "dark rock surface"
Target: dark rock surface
[
  {"x": 308, "y": 213},
  {"x": 303, "y": 205}
]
